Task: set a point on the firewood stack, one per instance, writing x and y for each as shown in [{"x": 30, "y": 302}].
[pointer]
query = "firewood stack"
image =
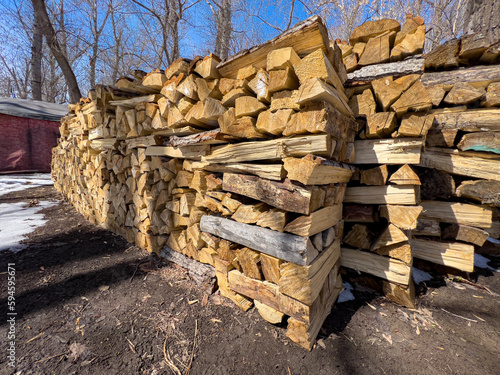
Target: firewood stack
[
  {"x": 382, "y": 41},
  {"x": 241, "y": 164},
  {"x": 411, "y": 194}
]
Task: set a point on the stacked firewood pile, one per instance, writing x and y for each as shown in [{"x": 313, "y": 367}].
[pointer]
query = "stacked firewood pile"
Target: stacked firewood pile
[
  {"x": 241, "y": 165},
  {"x": 239, "y": 168},
  {"x": 426, "y": 156}
]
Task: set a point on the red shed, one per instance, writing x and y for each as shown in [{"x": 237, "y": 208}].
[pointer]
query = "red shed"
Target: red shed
[{"x": 28, "y": 131}]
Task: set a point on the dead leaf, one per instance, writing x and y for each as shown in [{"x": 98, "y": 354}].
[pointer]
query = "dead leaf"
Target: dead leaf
[{"x": 387, "y": 337}]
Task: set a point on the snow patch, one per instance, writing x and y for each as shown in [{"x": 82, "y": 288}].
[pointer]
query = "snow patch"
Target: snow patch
[
  {"x": 346, "y": 294},
  {"x": 420, "y": 276},
  {"x": 17, "y": 220},
  {"x": 482, "y": 262},
  {"x": 18, "y": 182}
]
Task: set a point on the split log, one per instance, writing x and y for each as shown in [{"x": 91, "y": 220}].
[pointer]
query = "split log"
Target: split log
[
  {"x": 477, "y": 76},
  {"x": 451, "y": 254},
  {"x": 400, "y": 251},
  {"x": 465, "y": 233},
  {"x": 405, "y": 176},
  {"x": 269, "y": 171},
  {"x": 248, "y": 106},
  {"x": 389, "y": 194},
  {"x": 305, "y": 283},
  {"x": 268, "y": 313},
  {"x": 359, "y": 237},
  {"x": 363, "y": 105},
  {"x": 415, "y": 125},
  {"x": 436, "y": 184},
  {"x": 272, "y": 150},
  {"x": 371, "y": 29},
  {"x": 416, "y": 98},
  {"x": 315, "y": 170},
  {"x": 404, "y": 217},
  {"x": 404, "y": 296},
  {"x": 316, "y": 222},
  {"x": 305, "y": 37},
  {"x": 286, "y": 99},
  {"x": 375, "y": 176},
  {"x": 295, "y": 249},
  {"x": 427, "y": 227},
  {"x": 387, "y": 90},
  {"x": 315, "y": 89},
  {"x": 412, "y": 44},
  {"x": 457, "y": 213},
  {"x": 270, "y": 267},
  {"x": 284, "y": 79},
  {"x": 396, "y": 69},
  {"x": 377, "y": 265},
  {"x": 284, "y": 195},
  {"x": 389, "y": 236},
  {"x": 281, "y": 59},
  {"x": 305, "y": 334},
  {"x": 485, "y": 192},
  {"x": 443, "y": 56},
  {"x": 316, "y": 65},
  {"x": 492, "y": 97},
  {"x": 321, "y": 117},
  {"x": 377, "y": 50},
  {"x": 274, "y": 122},
  {"x": 465, "y": 163},
  {"x": 475, "y": 120},
  {"x": 388, "y": 151},
  {"x": 441, "y": 138},
  {"x": 480, "y": 141},
  {"x": 381, "y": 124},
  {"x": 463, "y": 93}
]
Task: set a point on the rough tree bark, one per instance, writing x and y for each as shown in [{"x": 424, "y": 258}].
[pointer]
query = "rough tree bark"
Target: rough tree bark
[
  {"x": 48, "y": 31},
  {"x": 483, "y": 16}
]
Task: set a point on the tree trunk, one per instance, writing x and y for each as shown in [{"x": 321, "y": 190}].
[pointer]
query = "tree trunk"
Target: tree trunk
[
  {"x": 224, "y": 29},
  {"x": 36, "y": 62},
  {"x": 483, "y": 16},
  {"x": 48, "y": 31}
]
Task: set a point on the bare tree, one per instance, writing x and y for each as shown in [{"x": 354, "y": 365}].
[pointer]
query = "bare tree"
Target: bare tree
[
  {"x": 36, "y": 62},
  {"x": 48, "y": 31}
]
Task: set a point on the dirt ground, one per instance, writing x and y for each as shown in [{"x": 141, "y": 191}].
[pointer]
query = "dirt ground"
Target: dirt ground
[{"x": 90, "y": 303}]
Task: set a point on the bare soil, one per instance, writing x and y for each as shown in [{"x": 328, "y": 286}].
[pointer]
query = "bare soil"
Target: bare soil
[{"x": 90, "y": 303}]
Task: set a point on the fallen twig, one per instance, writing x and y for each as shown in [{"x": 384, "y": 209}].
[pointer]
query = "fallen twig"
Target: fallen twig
[
  {"x": 194, "y": 344},
  {"x": 54, "y": 356},
  {"x": 459, "y": 316},
  {"x": 36, "y": 337},
  {"x": 167, "y": 359}
]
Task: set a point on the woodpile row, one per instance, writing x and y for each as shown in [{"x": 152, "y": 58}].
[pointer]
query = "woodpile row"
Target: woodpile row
[
  {"x": 427, "y": 179},
  {"x": 238, "y": 169},
  {"x": 241, "y": 165}
]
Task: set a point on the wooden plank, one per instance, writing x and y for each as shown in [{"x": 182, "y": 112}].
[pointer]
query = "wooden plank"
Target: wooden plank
[
  {"x": 388, "y": 151},
  {"x": 457, "y": 213},
  {"x": 295, "y": 249},
  {"x": 305, "y": 37},
  {"x": 377, "y": 265},
  {"x": 464, "y": 163},
  {"x": 399, "y": 194},
  {"x": 452, "y": 254},
  {"x": 284, "y": 195},
  {"x": 275, "y": 149}
]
